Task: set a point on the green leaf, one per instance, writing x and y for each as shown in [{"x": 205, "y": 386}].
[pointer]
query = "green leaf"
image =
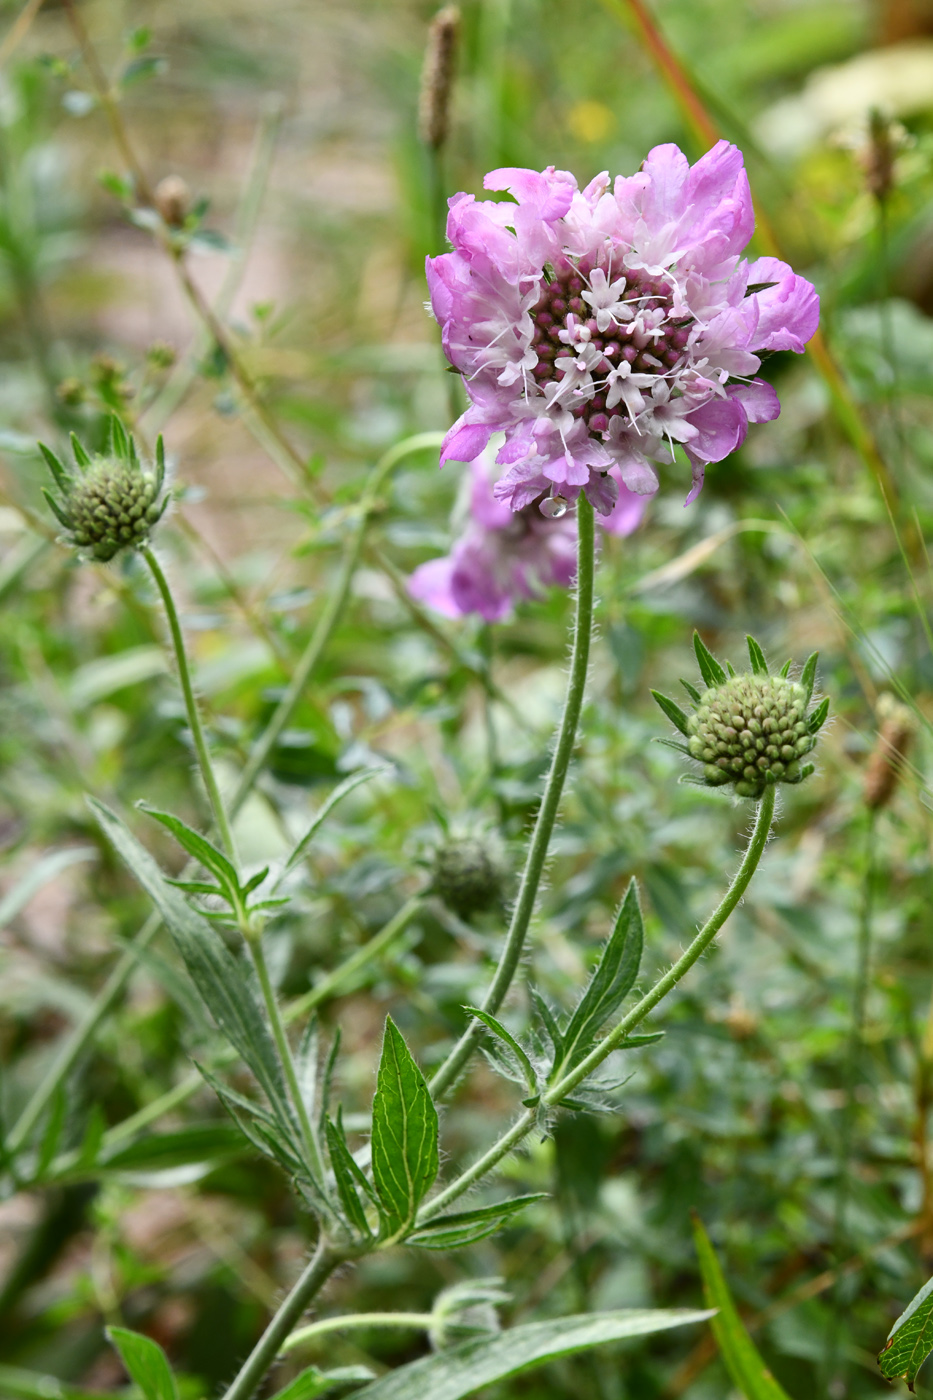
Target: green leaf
[
  {"x": 201, "y": 849},
  {"x": 710, "y": 669},
  {"x": 524, "y": 1064},
  {"x": 55, "y": 508},
  {"x": 808, "y": 674},
  {"x": 749, "y": 1374},
  {"x": 16, "y": 1383},
  {"x": 464, "y": 1369},
  {"x": 339, "y": 793},
  {"x": 674, "y": 713},
  {"x": 200, "y": 1142},
  {"x": 785, "y": 669},
  {"x": 313, "y": 1382},
  {"x": 140, "y": 69},
  {"x": 346, "y": 1174},
  {"x": 227, "y": 987},
  {"x": 612, "y": 980},
  {"x": 547, "y": 1020},
  {"x": 468, "y": 1226},
  {"x": 818, "y": 718},
  {"x": 691, "y": 691},
  {"x": 62, "y": 479},
  {"x": 146, "y": 1363},
  {"x": 910, "y": 1340},
  {"x": 757, "y": 657},
  {"x": 404, "y": 1135}
]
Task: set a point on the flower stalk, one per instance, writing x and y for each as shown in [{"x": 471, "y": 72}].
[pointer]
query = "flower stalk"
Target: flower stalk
[{"x": 550, "y": 802}]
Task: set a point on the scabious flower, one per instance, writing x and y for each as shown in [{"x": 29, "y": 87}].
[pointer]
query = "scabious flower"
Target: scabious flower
[
  {"x": 501, "y": 556},
  {"x": 601, "y": 328}
]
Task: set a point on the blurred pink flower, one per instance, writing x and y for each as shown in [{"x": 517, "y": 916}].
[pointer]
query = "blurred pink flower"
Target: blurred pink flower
[
  {"x": 501, "y": 556},
  {"x": 602, "y": 327}
]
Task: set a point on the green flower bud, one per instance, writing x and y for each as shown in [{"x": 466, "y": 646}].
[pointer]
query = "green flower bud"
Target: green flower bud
[
  {"x": 112, "y": 502},
  {"x": 469, "y": 874},
  {"x": 748, "y": 731}
]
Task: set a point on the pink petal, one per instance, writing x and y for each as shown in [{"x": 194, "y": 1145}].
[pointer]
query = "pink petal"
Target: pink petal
[
  {"x": 465, "y": 440},
  {"x": 549, "y": 192},
  {"x": 758, "y": 399},
  {"x": 722, "y": 426},
  {"x": 788, "y": 313}
]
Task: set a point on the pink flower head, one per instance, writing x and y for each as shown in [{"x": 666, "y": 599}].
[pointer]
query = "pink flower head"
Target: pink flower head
[
  {"x": 501, "y": 556},
  {"x": 600, "y": 328}
]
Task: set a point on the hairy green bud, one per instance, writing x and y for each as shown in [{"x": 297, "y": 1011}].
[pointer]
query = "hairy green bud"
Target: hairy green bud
[
  {"x": 468, "y": 873},
  {"x": 111, "y": 501},
  {"x": 749, "y": 731}
]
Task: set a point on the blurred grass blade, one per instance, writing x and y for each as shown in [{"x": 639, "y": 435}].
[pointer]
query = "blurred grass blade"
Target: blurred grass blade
[
  {"x": 146, "y": 1363},
  {"x": 44, "y": 870},
  {"x": 749, "y": 1374},
  {"x": 464, "y": 1369},
  {"x": 338, "y": 794},
  {"x": 910, "y": 1340},
  {"x": 404, "y": 1139},
  {"x": 16, "y": 1383}
]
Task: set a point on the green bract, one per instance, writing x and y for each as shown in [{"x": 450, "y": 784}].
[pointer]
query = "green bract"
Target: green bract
[
  {"x": 112, "y": 501},
  {"x": 752, "y": 730}
]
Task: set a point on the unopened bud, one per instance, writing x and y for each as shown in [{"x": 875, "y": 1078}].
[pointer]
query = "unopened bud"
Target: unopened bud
[
  {"x": 111, "y": 502},
  {"x": 172, "y": 200},
  {"x": 886, "y": 761},
  {"x": 469, "y": 874},
  {"x": 437, "y": 77},
  {"x": 749, "y": 731}
]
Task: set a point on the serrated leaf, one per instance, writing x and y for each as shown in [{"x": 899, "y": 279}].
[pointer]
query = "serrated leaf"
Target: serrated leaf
[
  {"x": 345, "y": 1172},
  {"x": 757, "y": 657},
  {"x": 816, "y": 721},
  {"x": 612, "y": 980},
  {"x": 748, "y": 1371},
  {"x": 808, "y": 674},
  {"x": 710, "y": 669},
  {"x": 404, "y": 1135},
  {"x": 461, "y": 1370},
  {"x": 312, "y": 1382},
  {"x": 673, "y": 711},
  {"x": 910, "y": 1340},
  {"x": 146, "y": 1363},
  {"x": 227, "y": 987},
  {"x": 468, "y": 1226},
  {"x": 524, "y": 1064}
]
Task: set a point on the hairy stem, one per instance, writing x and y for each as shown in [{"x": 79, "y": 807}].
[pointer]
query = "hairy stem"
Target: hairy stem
[
  {"x": 550, "y": 802},
  {"x": 321, "y": 1265},
  {"x": 287, "y": 1059},
  {"x": 194, "y": 719},
  {"x": 348, "y": 1320},
  {"x": 568, "y": 1082}
]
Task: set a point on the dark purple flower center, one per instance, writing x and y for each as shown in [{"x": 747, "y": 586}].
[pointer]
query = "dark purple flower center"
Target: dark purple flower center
[{"x": 649, "y": 344}]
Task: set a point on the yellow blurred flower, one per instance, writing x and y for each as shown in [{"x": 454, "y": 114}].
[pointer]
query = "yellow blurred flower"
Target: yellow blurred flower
[{"x": 590, "y": 121}]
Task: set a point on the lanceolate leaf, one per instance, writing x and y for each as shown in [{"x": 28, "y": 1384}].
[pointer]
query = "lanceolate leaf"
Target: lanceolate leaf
[
  {"x": 808, "y": 674},
  {"x": 226, "y": 986},
  {"x": 462, "y": 1370},
  {"x": 508, "y": 1040},
  {"x": 198, "y": 846},
  {"x": 312, "y": 1382},
  {"x": 818, "y": 718},
  {"x": 346, "y": 1173},
  {"x": 338, "y": 794},
  {"x": 467, "y": 1226},
  {"x": 404, "y": 1136},
  {"x": 910, "y": 1340},
  {"x": 757, "y": 657},
  {"x": 612, "y": 980},
  {"x": 146, "y": 1363},
  {"x": 710, "y": 669},
  {"x": 673, "y": 711},
  {"x": 749, "y": 1374}
]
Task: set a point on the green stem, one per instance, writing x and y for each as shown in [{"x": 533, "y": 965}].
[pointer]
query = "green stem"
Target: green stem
[
  {"x": 331, "y": 614},
  {"x": 568, "y": 1082},
  {"x": 315, "y": 1161},
  {"x": 355, "y": 1320},
  {"x": 318, "y": 1270},
  {"x": 173, "y": 1098},
  {"x": 550, "y": 802},
  {"x": 194, "y": 718}
]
